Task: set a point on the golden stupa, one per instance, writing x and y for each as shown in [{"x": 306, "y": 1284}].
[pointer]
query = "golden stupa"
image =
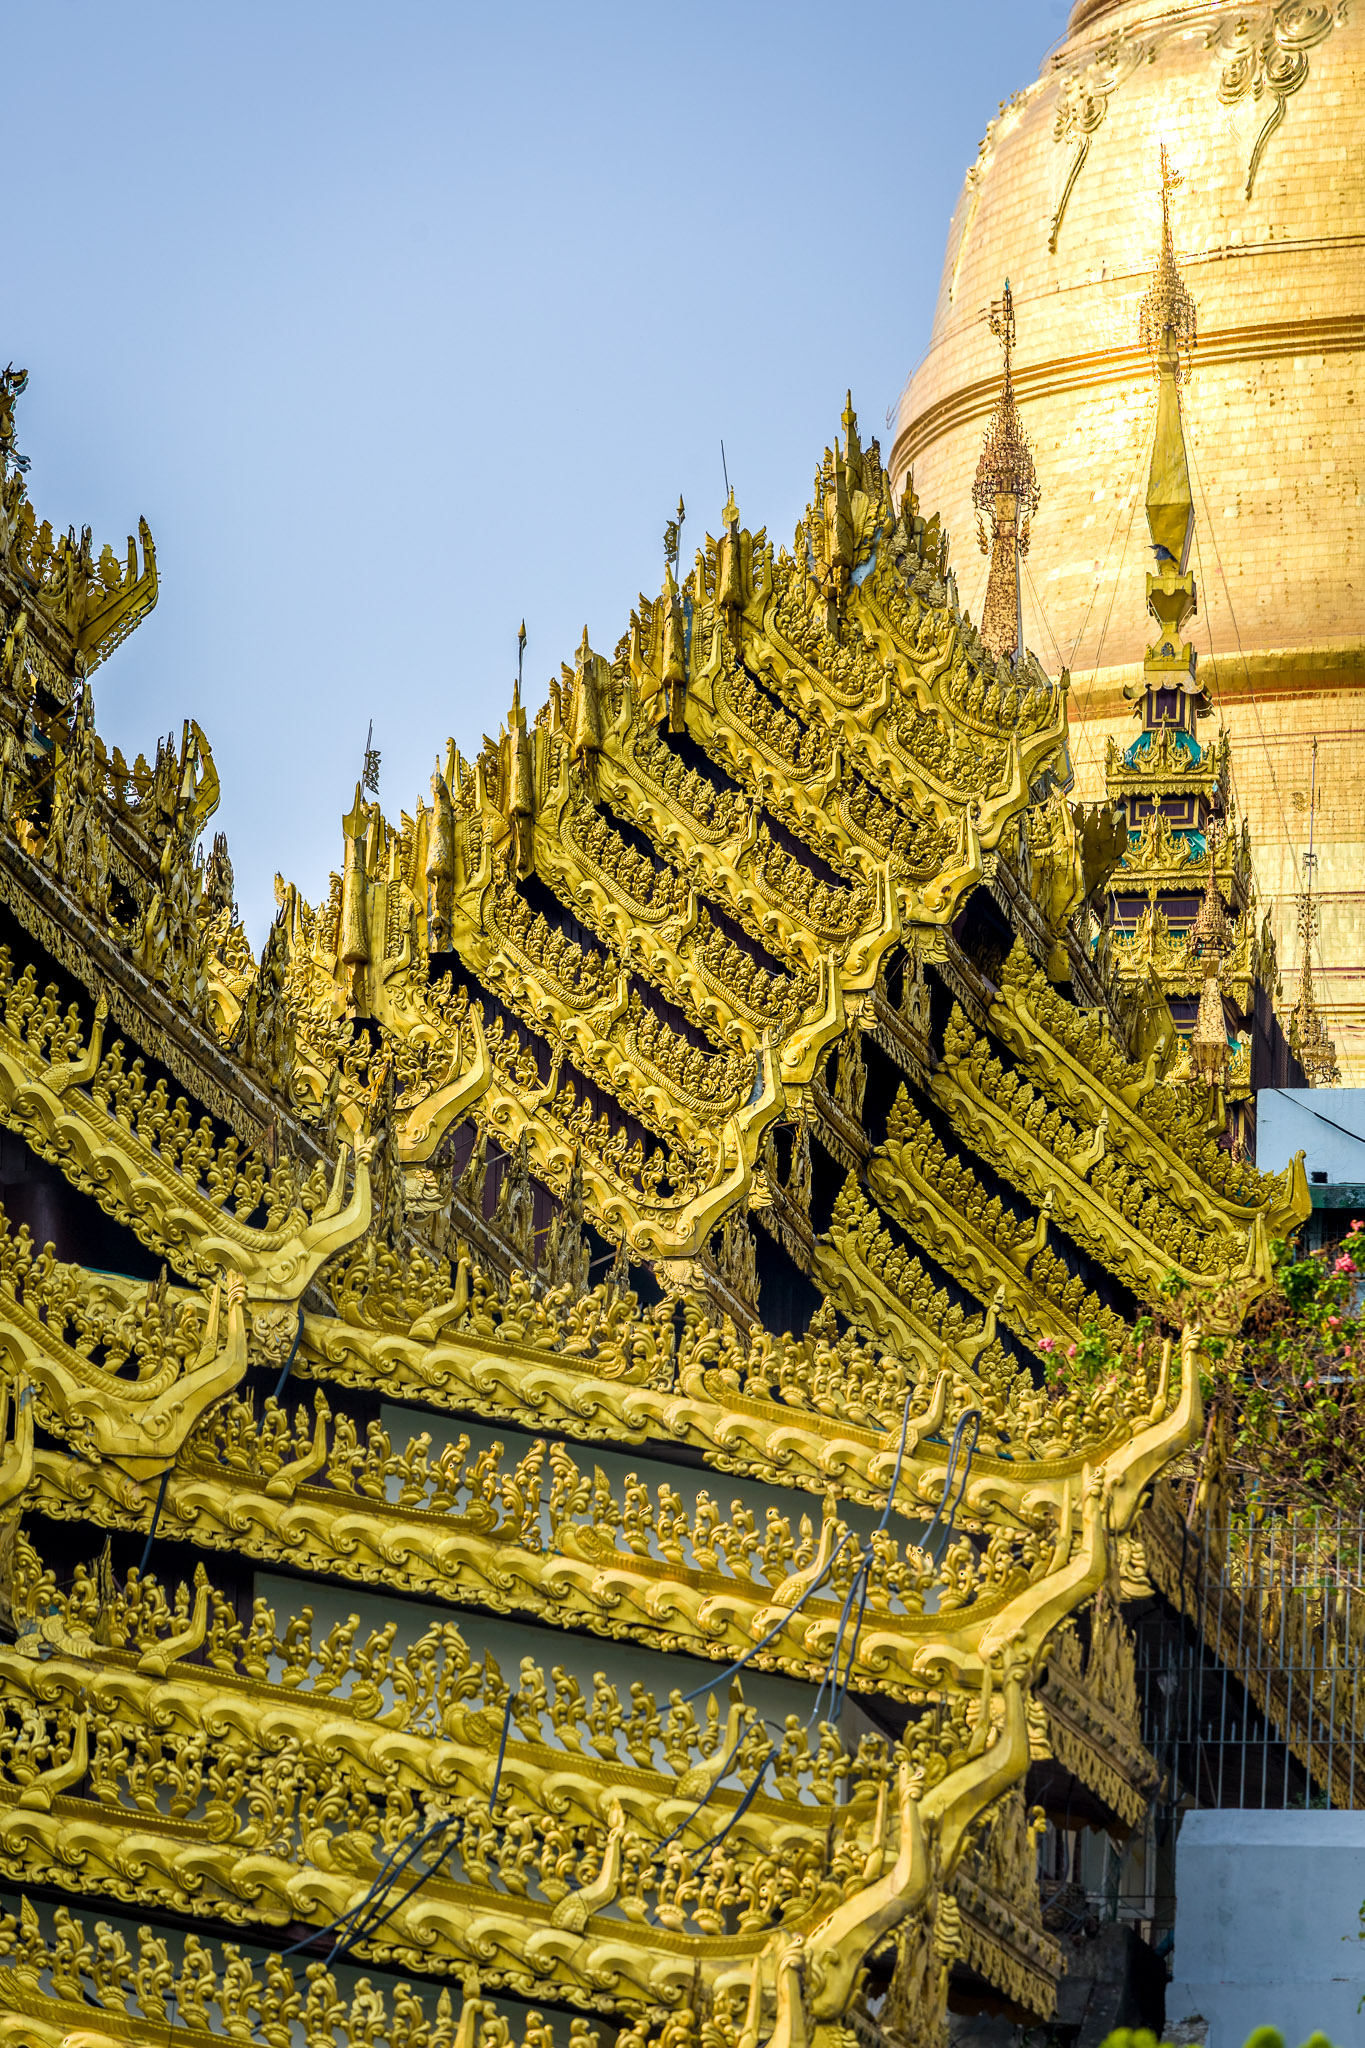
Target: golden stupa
[{"x": 1263, "y": 110}]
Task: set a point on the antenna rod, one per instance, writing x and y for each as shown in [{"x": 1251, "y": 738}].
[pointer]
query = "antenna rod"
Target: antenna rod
[{"x": 724, "y": 471}]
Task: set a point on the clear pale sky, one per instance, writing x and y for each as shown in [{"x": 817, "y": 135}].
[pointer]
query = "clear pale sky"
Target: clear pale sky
[{"x": 400, "y": 324}]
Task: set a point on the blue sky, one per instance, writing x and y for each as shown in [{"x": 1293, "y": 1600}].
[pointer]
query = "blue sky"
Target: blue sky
[{"x": 401, "y": 324}]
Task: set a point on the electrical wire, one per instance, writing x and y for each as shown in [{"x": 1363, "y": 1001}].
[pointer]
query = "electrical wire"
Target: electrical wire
[
  {"x": 1332, "y": 1007},
  {"x": 1329, "y": 1121},
  {"x": 972, "y": 1415},
  {"x": 1038, "y": 608},
  {"x": 1041, "y": 614},
  {"x": 156, "y": 1517},
  {"x": 708, "y": 1848},
  {"x": 330, "y": 1926},
  {"x": 693, "y": 1811},
  {"x": 366, "y": 1926},
  {"x": 900, "y": 1459},
  {"x": 375, "y": 1918},
  {"x": 860, "y": 1585},
  {"x": 373, "y": 1911},
  {"x": 731, "y": 1670},
  {"x": 830, "y": 1675},
  {"x": 395, "y": 1862},
  {"x": 1104, "y": 629},
  {"x": 293, "y": 1354},
  {"x": 502, "y": 1750},
  {"x": 1241, "y": 655},
  {"x": 1099, "y": 578}
]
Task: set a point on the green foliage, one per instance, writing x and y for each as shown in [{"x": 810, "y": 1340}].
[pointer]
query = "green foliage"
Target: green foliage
[
  {"x": 1285, "y": 1396},
  {"x": 1079, "y": 1368},
  {"x": 1271, "y": 2037},
  {"x": 1288, "y": 1394},
  {"x": 1301, "y": 1283},
  {"x": 1264, "y": 2037}
]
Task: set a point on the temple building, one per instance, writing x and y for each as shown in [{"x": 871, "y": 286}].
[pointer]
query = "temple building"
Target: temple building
[
  {"x": 579, "y": 1461},
  {"x": 1264, "y": 110}
]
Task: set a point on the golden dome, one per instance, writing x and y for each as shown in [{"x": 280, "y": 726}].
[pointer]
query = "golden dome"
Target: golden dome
[{"x": 1262, "y": 109}]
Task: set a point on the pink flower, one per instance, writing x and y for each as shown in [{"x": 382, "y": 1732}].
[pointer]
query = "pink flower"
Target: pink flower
[
  {"x": 1357, "y": 1224},
  {"x": 1071, "y": 1351},
  {"x": 1345, "y": 1264},
  {"x": 1334, "y": 1322},
  {"x": 1047, "y": 1343}
]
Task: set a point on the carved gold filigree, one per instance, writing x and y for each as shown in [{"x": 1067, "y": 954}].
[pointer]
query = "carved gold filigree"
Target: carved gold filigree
[{"x": 1264, "y": 54}]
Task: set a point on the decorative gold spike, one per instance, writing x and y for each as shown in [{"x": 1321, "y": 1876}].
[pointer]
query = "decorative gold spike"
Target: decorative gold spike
[{"x": 1005, "y": 494}]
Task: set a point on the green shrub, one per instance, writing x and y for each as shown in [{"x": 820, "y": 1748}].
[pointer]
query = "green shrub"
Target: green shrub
[{"x": 1264, "y": 2037}]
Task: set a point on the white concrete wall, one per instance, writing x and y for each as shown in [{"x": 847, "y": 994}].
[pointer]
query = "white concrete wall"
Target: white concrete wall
[
  {"x": 1328, "y": 1124},
  {"x": 1267, "y": 1924}
]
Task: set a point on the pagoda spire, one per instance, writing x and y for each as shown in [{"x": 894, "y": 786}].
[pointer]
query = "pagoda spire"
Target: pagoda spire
[
  {"x": 1005, "y": 494},
  {"x": 1176, "y": 793},
  {"x": 1168, "y": 329}
]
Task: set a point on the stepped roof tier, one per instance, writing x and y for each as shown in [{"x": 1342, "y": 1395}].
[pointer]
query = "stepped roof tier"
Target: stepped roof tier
[{"x": 526, "y": 1467}]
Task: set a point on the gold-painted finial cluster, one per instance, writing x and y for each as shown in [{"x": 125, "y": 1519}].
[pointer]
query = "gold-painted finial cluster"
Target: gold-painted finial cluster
[
  {"x": 1005, "y": 493},
  {"x": 1309, "y": 1037},
  {"x": 1312, "y": 1044},
  {"x": 1168, "y": 320}
]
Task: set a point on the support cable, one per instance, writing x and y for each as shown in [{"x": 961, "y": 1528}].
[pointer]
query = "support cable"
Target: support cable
[{"x": 1260, "y": 724}]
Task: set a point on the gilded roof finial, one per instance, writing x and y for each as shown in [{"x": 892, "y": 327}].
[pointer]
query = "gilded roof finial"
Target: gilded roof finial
[
  {"x": 731, "y": 513},
  {"x": 370, "y": 772},
  {"x": 1315, "y": 1051},
  {"x": 1208, "y": 1047},
  {"x": 1168, "y": 319},
  {"x": 12, "y": 382},
  {"x": 1168, "y": 328},
  {"x": 1005, "y": 494},
  {"x": 673, "y": 532},
  {"x": 1211, "y": 933}
]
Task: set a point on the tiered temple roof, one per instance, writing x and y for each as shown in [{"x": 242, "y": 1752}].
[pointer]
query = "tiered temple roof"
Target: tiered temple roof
[{"x": 528, "y": 1468}]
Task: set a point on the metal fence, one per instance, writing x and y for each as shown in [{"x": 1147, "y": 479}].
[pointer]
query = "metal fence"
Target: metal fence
[{"x": 1250, "y": 1675}]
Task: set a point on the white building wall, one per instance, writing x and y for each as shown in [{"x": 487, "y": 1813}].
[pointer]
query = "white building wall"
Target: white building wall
[
  {"x": 1268, "y": 1925},
  {"x": 1327, "y": 1124}
]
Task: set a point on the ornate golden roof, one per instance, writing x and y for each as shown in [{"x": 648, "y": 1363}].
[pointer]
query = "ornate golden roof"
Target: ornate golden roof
[
  {"x": 72, "y": 608},
  {"x": 712, "y": 1088}
]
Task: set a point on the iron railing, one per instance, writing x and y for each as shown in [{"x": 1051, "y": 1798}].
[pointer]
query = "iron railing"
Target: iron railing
[{"x": 1251, "y": 1675}]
